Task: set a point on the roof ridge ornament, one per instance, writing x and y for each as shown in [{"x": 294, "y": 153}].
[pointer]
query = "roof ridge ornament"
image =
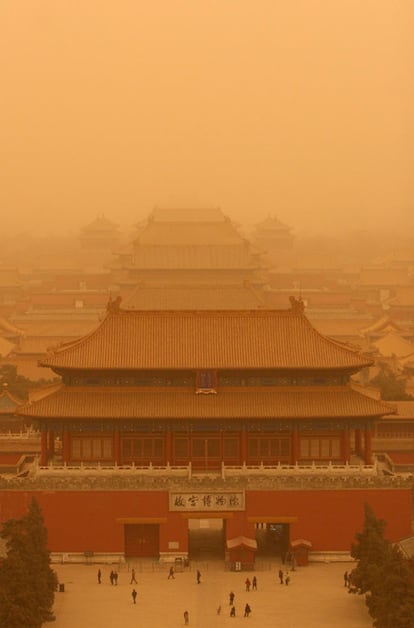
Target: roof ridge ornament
[
  {"x": 297, "y": 306},
  {"x": 114, "y": 305}
]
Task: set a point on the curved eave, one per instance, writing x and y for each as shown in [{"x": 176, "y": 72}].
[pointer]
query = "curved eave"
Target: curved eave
[
  {"x": 135, "y": 404},
  {"x": 205, "y": 339}
]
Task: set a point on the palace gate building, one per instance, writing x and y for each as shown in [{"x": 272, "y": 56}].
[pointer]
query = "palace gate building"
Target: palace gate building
[{"x": 166, "y": 423}]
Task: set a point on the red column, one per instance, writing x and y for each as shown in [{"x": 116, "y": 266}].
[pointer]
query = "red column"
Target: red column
[
  {"x": 368, "y": 446},
  {"x": 65, "y": 446},
  {"x": 295, "y": 445},
  {"x": 51, "y": 443},
  {"x": 346, "y": 445},
  {"x": 358, "y": 442},
  {"x": 117, "y": 446},
  {"x": 243, "y": 446},
  {"x": 43, "y": 448},
  {"x": 168, "y": 447}
]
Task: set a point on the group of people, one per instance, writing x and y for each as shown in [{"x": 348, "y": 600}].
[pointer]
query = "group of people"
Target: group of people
[
  {"x": 252, "y": 584},
  {"x": 113, "y": 577},
  {"x": 348, "y": 581},
  {"x": 284, "y": 578},
  {"x": 247, "y": 608}
]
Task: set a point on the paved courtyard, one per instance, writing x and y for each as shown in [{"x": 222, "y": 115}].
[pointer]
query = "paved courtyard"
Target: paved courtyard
[{"x": 314, "y": 598}]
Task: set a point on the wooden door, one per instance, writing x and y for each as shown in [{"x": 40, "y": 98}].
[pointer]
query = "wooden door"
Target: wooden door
[{"x": 142, "y": 540}]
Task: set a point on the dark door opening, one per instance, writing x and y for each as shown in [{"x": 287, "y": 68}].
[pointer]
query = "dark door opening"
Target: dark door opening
[
  {"x": 272, "y": 539},
  {"x": 206, "y": 539}
]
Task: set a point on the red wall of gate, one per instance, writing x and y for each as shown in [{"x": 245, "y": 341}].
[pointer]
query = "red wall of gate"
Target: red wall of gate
[
  {"x": 330, "y": 519},
  {"x": 79, "y": 521}
]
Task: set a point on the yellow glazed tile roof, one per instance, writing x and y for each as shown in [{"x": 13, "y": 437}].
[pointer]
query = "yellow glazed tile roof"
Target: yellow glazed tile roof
[
  {"x": 133, "y": 403},
  {"x": 238, "y": 339}
]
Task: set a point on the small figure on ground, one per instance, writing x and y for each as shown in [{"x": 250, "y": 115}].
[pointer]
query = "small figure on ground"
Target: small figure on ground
[
  {"x": 346, "y": 579},
  {"x": 99, "y": 576},
  {"x": 351, "y": 587},
  {"x": 247, "y": 610},
  {"x": 287, "y": 578},
  {"x": 219, "y": 610},
  {"x": 133, "y": 579},
  {"x": 233, "y": 611},
  {"x": 111, "y": 576},
  {"x": 280, "y": 576},
  {"x": 115, "y": 577},
  {"x": 231, "y": 598},
  {"x": 247, "y": 583},
  {"x": 186, "y": 618},
  {"x": 198, "y": 576},
  {"x": 254, "y": 584},
  {"x": 134, "y": 596},
  {"x": 171, "y": 573}
]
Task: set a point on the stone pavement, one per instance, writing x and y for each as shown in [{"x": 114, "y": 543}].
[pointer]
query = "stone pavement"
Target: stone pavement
[{"x": 314, "y": 598}]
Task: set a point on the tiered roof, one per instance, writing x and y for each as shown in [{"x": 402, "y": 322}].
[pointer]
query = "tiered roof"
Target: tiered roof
[
  {"x": 129, "y": 403},
  {"x": 216, "y": 339},
  {"x": 100, "y": 225},
  {"x": 192, "y": 257},
  {"x": 190, "y": 239},
  {"x": 194, "y": 297}
]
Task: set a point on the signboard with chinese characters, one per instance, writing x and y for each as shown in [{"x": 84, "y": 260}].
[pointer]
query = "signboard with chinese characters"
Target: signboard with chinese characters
[{"x": 207, "y": 501}]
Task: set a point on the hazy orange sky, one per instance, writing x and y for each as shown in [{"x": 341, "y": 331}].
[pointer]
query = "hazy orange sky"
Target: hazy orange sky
[{"x": 299, "y": 108}]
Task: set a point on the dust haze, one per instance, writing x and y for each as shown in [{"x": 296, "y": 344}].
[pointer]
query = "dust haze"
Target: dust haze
[{"x": 301, "y": 109}]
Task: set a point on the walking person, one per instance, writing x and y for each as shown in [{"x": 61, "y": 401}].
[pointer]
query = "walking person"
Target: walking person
[
  {"x": 233, "y": 611},
  {"x": 198, "y": 576},
  {"x": 254, "y": 584},
  {"x": 115, "y": 577},
  {"x": 281, "y": 576},
  {"x": 346, "y": 579},
  {"x": 247, "y": 610},
  {"x": 99, "y": 576},
  {"x": 111, "y": 576},
  {"x": 247, "y": 583},
  {"x": 231, "y": 598},
  {"x": 287, "y": 578},
  {"x": 171, "y": 573},
  {"x": 133, "y": 579},
  {"x": 186, "y": 618},
  {"x": 134, "y": 596}
]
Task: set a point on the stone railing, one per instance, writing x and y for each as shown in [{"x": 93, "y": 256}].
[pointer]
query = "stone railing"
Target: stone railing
[
  {"x": 32, "y": 435},
  {"x": 302, "y": 469},
  {"x": 260, "y": 477},
  {"x": 225, "y": 472}
]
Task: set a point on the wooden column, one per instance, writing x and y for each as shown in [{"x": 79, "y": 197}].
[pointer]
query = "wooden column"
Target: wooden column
[
  {"x": 243, "y": 446},
  {"x": 51, "y": 444},
  {"x": 358, "y": 442},
  {"x": 65, "y": 446},
  {"x": 168, "y": 447},
  {"x": 346, "y": 445},
  {"x": 295, "y": 445},
  {"x": 368, "y": 445},
  {"x": 43, "y": 448},
  {"x": 117, "y": 446}
]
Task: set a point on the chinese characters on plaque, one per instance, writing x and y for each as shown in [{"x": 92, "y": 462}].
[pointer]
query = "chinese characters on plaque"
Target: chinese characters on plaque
[{"x": 207, "y": 501}]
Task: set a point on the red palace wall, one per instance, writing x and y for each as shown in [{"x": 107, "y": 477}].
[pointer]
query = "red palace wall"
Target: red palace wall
[{"x": 79, "y": 521}]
